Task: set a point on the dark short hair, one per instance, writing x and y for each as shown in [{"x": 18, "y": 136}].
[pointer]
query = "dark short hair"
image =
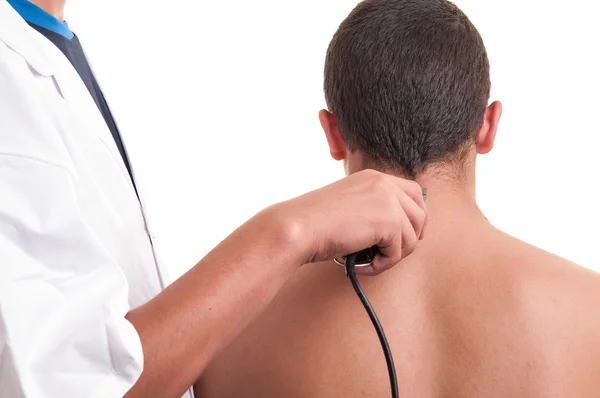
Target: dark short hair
[{"x": 408, "y": 81}]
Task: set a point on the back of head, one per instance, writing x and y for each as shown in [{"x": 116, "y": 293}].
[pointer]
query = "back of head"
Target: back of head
[{"x": 408, "y": 81}]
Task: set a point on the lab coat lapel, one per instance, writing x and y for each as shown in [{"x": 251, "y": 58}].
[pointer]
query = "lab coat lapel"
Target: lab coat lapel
[
  {"x": 47, "y": 60},
  {"x": 78, "y": 98},
  {"x": 14, "y": 32}
]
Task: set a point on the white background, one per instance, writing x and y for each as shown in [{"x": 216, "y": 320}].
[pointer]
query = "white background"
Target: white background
[{"x": 217, "y": 102}]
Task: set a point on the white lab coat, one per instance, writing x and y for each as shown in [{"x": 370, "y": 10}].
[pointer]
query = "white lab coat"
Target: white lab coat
[{"x": 75, "y": 252}]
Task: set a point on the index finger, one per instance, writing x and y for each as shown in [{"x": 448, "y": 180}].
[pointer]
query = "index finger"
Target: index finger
[
  {"x": 424, "y": 196},
  {"x": 413, "y": 190},
  {"x": 417, "y": 193}
]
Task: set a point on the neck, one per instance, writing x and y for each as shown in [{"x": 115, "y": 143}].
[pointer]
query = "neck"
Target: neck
[
  {"x": 56, "y": 8},
  {"x": 450, "y": 200},
  {"x": 451, "y": 203}
]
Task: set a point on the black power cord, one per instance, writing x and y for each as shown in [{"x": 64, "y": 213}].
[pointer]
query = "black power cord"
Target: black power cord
[{"x": 351, "y": 272}]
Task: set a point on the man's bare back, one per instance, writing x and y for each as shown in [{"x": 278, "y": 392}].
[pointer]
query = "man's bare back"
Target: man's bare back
[{"x": 472, "y": 313}]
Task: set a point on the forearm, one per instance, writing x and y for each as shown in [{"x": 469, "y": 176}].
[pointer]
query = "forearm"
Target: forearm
[{"x": 189, "y": 323}]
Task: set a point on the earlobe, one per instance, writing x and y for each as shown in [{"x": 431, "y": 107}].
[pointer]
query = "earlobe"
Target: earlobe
[
  {"x": 337, "y": 148},
  {"x": 487, "y": 134}
]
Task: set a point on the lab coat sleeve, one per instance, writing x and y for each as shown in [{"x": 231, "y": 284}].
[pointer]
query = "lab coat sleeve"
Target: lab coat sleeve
[{"x": 63, "y": 301}]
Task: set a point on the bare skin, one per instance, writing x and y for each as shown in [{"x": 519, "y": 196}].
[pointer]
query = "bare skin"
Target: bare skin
[
  {"x": 472, "y": 312},
  {"x": 56, "y": 8}
]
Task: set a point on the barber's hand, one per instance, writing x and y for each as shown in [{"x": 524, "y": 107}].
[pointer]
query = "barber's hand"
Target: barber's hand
[{"x": 365, "y": 209}]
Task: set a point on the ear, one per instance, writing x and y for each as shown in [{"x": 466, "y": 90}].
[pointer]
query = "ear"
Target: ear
[
  {"x": 337, "y": 148},
  {"x": 487, "y": 134}
]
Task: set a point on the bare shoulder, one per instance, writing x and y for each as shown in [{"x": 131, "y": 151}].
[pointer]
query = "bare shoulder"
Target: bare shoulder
[
  {"x": 519, "y": 312},
  {"x": 540, "y": 274},
  {"x": 559, "y": 297},
  {"x": 542, "y": 263},
  {"x": 563, "y": 299}
]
